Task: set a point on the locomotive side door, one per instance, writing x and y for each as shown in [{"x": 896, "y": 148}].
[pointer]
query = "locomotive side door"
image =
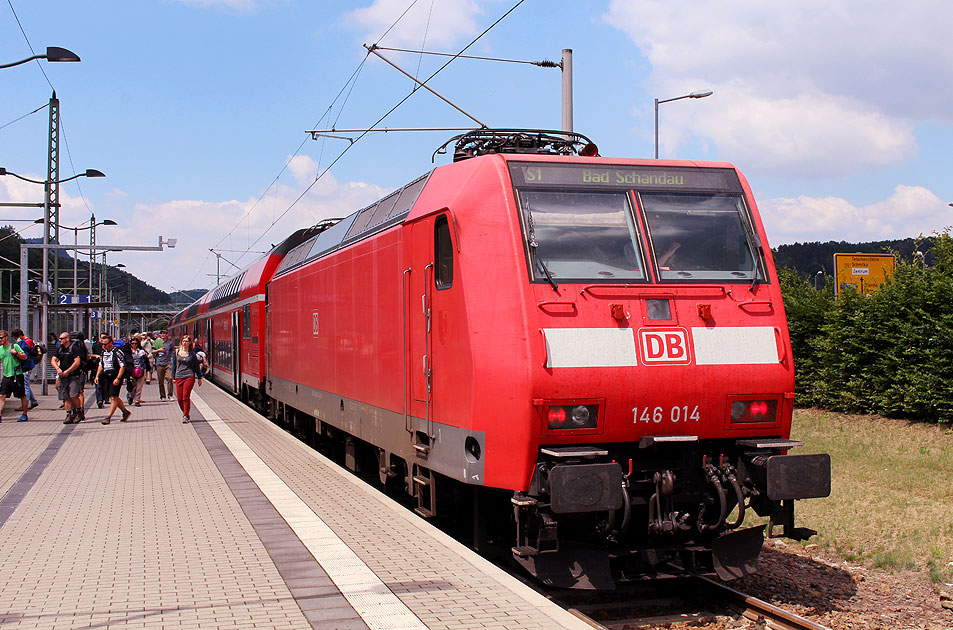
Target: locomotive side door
[
  {"x": 419, "y": 359},
  {"x": 431, "y": 271},
  {"x": 236, "y": 352}
]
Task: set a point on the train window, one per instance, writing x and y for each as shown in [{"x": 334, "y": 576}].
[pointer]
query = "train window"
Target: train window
[
  {"x": 362, "y": 220},
  {"x": 581, "y": 236},
  {"x": 408, "y": 195},
  {"x": 383, "y": 210},
  {"x": 701, "y": 237},
  {"x": 246, "y": 321},
  {"x": 443, "y": 253}
]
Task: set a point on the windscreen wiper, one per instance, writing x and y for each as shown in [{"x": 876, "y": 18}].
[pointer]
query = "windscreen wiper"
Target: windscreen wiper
[{"x": 533, "y": 245}]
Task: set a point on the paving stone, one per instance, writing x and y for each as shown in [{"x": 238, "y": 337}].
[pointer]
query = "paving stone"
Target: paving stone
[{"x": 156, "y": 524}]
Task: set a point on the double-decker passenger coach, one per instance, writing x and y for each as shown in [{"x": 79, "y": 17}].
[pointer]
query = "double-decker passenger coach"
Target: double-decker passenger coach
[{"x": 587, "y": 356}]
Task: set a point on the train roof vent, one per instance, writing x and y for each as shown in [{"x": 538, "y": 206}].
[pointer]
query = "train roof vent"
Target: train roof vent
[{"x": 533, "y": 141}]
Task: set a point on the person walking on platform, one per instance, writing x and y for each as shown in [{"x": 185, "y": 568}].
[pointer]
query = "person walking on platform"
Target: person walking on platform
[
  {"x": 146, "y": 343},
  {"x": 12, "y": 381},
  {"x": 112, "y": 368},
  {"x": 186, "y": 369},
  {"x": 162, "y": 350},
  {"x": 139, "y": 365},
  {"x": 68, "y": 363},
  {"x": 26, "y": 344},
  {"x": 94, "y": 358}
]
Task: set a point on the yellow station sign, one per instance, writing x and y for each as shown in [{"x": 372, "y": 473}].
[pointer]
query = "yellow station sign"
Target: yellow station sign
[{"x": 865, "y": 272}]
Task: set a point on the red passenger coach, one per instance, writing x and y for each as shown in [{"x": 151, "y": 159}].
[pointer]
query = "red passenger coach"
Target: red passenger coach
[
  {"x": 590, "y": 354},
  {"x": 229, "y": 322}
]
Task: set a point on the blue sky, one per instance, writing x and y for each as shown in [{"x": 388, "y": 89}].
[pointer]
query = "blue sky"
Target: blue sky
[{"x": 840, "y": 115}]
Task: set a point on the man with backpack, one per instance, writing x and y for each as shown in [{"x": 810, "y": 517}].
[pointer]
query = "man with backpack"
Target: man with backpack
[
  {"x": 69, "y": 377},
  {"x": 12, "y": 382},
  {"x": 26, "y": 344}
]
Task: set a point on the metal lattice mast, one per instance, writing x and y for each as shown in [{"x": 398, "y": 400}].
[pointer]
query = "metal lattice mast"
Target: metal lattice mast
[{"x": 53, "y": 190}]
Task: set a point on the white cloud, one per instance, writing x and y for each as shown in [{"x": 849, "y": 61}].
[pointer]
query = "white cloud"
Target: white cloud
[
  {"x": 910, "y": 211},
  {"x": 231, "y": 227},
  {"x": 442, "y": 22},
  {"x": 73, "y": 210},
  {"x": 813, "y": 87},
  {"x": 197, "y": 224},
  {"x": 303, "y": 168},
  {"x": 808, "y": 134}
]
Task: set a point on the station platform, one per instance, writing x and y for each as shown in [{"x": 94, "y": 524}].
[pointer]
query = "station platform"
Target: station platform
[{"x": 227, "y": 522}]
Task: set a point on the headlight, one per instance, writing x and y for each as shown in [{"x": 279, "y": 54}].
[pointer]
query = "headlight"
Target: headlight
[{"x": 572, "y": 417}]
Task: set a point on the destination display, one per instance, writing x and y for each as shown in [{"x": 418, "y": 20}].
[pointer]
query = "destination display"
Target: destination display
[{"x": 639, "y": 177}]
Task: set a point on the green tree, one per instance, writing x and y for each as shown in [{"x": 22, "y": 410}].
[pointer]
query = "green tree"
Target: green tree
[
  {"x": 807, "y": 310},
  {"x": 890, "y": 352}
]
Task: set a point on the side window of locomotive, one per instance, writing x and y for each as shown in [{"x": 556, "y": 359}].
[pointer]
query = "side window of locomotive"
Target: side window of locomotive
[
  {"x": 443, "y": 253},
  {"x": 701, "y": 237},
  {"x": 581, "y": 236}
]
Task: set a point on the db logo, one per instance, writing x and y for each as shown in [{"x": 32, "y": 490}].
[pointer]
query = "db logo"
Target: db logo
[{"x": 664, "y": 346}]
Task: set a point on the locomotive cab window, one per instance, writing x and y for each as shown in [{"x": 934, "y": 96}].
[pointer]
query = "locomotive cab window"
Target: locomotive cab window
[
  {"x": 582, "y": 236},
  {"x": 701, "y": 237},
  {"x": 443, "y": 253}
]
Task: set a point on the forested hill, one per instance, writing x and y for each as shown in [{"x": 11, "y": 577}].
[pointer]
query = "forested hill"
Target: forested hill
[
  {"x": 809, "y": 258},
  {"x": 127, "y": 288}
]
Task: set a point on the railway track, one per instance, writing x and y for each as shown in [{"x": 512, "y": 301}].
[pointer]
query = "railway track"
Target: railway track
[{"x": 710, "y": 604}]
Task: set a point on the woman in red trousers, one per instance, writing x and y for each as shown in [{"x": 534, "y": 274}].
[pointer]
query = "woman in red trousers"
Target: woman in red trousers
[{"x": 186, "y": 370}]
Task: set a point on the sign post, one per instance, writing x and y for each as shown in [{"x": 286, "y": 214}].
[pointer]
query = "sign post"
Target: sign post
[{"x": 864, "y": 272}]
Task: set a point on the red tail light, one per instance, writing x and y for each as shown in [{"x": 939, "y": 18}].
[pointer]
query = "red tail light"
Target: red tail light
[
  {"x": 557, "y": 417},
  {"x": 747, "y": 411}
]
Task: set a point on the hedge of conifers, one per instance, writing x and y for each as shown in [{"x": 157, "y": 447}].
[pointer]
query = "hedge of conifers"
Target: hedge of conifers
[{"x": 889, "y": 353}]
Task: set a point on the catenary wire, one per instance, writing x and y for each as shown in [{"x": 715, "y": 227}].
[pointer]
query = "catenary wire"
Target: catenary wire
[
  {"x": 379, "y": 120},
  {"x": 44, "y": 106},
  {"x": 441, "y": 54},
  {"x": 61, "y": 126},
  {"x": 352, "y": 81},
  {"x": 423, "y": 44},
  {"x": 38, "y": 64}
]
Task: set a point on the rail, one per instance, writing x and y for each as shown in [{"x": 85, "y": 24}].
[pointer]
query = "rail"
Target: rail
[
  {"x": 613, "y": 617},
  {"x": 754, "y": 608}
]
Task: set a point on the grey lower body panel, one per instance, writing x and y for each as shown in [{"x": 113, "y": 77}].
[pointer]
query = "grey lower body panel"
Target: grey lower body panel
[{"x": 389, "y": 430}]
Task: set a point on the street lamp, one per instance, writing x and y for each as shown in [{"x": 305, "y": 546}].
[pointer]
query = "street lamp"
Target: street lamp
[
  {"x": 92, "y": 245},
  {"x": 53, "y": 53},
  {"x": 44, "y": 297},
  {"x": 700, "y": 94}
]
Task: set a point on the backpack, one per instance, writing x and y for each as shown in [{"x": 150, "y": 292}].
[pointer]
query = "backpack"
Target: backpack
[
  {"x": 26, "y": 364},
  {"x": 80, "y": 340}
]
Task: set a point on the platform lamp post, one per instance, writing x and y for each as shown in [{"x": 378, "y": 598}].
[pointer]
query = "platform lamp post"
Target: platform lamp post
[
  {"x": 92, "y": 244},
  {"x": 44, "y": 292},
  {"x": 700, "y": 94},
  {"x": 53, "y": 53},
  {"x": 118, "y": 310},
  {"x": 92, "y": 258}
]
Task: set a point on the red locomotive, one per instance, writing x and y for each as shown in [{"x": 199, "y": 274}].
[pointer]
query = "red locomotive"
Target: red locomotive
[{"x": 587, "y": 356}]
